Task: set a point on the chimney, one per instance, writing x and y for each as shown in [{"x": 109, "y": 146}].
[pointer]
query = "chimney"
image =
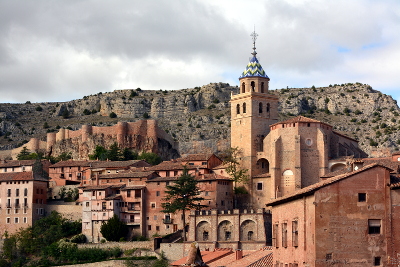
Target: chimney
[{"x": 239, "y": 254}]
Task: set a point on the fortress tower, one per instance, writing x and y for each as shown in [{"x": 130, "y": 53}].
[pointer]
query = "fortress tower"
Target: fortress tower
[{"x": 253, "y": 110}]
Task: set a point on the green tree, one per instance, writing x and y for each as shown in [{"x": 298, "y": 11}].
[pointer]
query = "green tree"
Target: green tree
[
  {"x": 64, "y": 156},
  {"x": 113, "y": 115},
  {"x": 182, "y": 195},
  {"x": 129, "y": 154},
  {"x": 113, "y": 229},
  {"x": 24, "y": 154},
  {"x": 65, "y": 114},
  {"x": 151, "y": 158},
  {"x": 114, "y": 153},
  {"x": 100, "y": 153},
  {"x": 235, "y": 171}
]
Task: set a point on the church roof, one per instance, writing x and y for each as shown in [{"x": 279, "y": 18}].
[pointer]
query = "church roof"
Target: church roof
[
  {"x": 253, "y": 69},
  {"x": 299, "y": 119}
]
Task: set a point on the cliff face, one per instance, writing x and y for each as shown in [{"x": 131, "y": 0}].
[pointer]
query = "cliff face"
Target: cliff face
[{"x": 199, "y": 118}]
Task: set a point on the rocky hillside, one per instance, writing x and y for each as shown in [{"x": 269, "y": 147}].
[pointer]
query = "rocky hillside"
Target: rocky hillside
[{"x": 199, "y": 118}]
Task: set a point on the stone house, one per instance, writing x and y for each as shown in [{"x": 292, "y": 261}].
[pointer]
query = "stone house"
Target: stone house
[
  {"x": 22, "y": 165},
  {"x": 350, "y": 219},
  {"x": 23, "y": 197}
]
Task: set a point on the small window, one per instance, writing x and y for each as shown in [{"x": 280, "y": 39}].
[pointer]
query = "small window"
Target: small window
[
  {"x": 328, "y": 256},
  {"x": 149, "y": 227},
  {"x": 153, "y": 205},
  {"x": 260, "y": 108},
  {"x": 166, "y": 183},
  {"x": 244, "y": 107},
  {"x": 222, "y": 203},
  {"x": 377, "y": 261},
  {"x": 284, "y": 235},
  {"x": 362, "y": 197},
  {"x": 228, "y": 236},
  {"x": 206, "y": 193},
  {"x": 374, "y": 227},
  {"x": 8, "y": 220},
  {"x": 250, "y": 235},
  {"x": 158, "y": 193},
  {"x": 295, "y": 234},
  {"x": 25, "y": 220},
  {"x": 87, "y": 204},
  {"x": 157, "y": 228},
  {"x": 16, "y": 220},
  {"x": 260, "y": 186},
  {"x": 205, "y": 236}
]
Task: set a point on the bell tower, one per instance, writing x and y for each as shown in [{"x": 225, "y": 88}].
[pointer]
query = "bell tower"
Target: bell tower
[{"x": 253, "y": 110}]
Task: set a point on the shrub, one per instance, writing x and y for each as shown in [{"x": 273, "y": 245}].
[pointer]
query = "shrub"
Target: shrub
[
  {"x": 373, "y": 143},
  {"x": 179, "y": 124},
  {"x": 326, "y": 100},
  {"x": 113, "y": 115},
  {"x": 357, "y": 112},
  {"x": 146, "y": 115},
  {"x": 80, "y": 238},
  {"x": 39, "y": 108},
  {"x": 211, "y": 106},
  {"x": 215, "y": 101},
  {"x": 86, "y": 112}
]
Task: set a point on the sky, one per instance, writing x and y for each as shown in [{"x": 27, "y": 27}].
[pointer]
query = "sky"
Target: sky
[{"x": 54, "y": 51}]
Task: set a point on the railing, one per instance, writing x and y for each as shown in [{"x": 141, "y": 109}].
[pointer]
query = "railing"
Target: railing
[
  {"x": 8, "y": 205},
  {"x": 130, "y": 209},
  {"x": 131, "y": 221},
  {"x": 17, "y": 206},
  {"x": 167, "y": 221}
]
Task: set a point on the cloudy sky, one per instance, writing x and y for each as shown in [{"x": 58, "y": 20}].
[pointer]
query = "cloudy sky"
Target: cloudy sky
[{"x": 64, "y": 50}]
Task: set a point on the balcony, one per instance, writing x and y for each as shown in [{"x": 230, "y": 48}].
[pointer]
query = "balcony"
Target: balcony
[
  {"x": 167, "y": 221},
  {"x": 132, "y": 221},
  {"x": 17, "y": 206}
]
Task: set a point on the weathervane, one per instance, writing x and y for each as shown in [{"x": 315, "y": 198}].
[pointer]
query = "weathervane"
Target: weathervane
[{"x": 254, "y": 37}]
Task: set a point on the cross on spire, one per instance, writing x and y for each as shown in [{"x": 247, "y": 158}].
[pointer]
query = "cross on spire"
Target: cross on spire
[{"x": 254, "y": 37}]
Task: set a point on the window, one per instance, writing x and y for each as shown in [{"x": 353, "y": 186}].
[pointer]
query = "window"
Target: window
[
  {"x": 8, "y": 192},
  {"x": 17, "y": 192},
  {"x": 157, "y": 228},
  {"x": 377, "y": 261},
  {"x": 295, "y": 234},
  {"x": 374, "y": 227},
  {"x": 149, "y": 227},
  {"x": 268, "y": 107},
  {"x": 262, "y": 87},
  {"x": 328, "y": 256},
  {"x": 260, "y": 108},
  {"x": 237, "y": 109},
  {"x": 153, "y": 205},
  {"x": 250, "y": 235},
  {"x": 94, "y": 193},
  {"x": 253, "y": 86},
  {"x": 167, "y": 173},
  {"x": 206, "y": 193},
  {"x": 205, "y": 236},
  {"x": 8, "y": 220},
  {"x": 103, "y": 205},
  {"x": 41, "y": 211},
  {"x": 87, "y": 204},
  {"x": 228, "y": 235},
  {"x": 244, "y": 107},
  {"x": 284, "y": 235},
  {"x": 166, "y": 183},
  {"x": 222, "y": 203},
  {"x": 25, "y": 220},
  {"x": 158, "y": 193},
  {"x": 260, "y": 186},
  {"x": 243, "y": 88},
  {"x": 362, "y": 197},
  {"x": 25, "y": 192},
  {"x": 275, "y": 235},
  {"x": 175, "y": 173},
  {"x": 128, "y": 193},
  {"x": 16, "y": 220}
]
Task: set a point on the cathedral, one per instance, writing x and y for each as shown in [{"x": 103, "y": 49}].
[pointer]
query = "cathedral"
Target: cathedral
[{"x": 281, "y": 157}]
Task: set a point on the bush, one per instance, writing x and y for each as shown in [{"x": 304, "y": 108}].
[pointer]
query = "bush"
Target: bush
[
  {"x": 39, "y": 108},
  {"x": 113, "y": 115},
  {"x": 179, "y": 124},
  {"x": 146, "y": 115},
  {"x": 86, "y": 112},
  {"x": 211, "y": 106},
  {"x": 80, "y": 238}
]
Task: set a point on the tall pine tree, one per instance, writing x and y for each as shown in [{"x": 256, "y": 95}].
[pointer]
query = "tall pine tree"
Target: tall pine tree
[{"x": 182, "y": 195}]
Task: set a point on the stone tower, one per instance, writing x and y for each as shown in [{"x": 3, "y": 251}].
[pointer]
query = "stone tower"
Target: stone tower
[{"x": 253, "y": 110}]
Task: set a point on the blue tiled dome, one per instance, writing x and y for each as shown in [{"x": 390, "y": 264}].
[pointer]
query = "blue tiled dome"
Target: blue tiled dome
[{"x": 253, "y": 69}]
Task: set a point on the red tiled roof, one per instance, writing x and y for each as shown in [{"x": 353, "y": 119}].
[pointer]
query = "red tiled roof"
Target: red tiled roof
[
  {"x": 133, "y": 187},
  {"x": 73, "y": 163},
  {"x": 251, "y": 258},
  {"x": 310, "y": 189},
  {"x": 17, "y": 176},
  {"x": 17, "y": 163},
  {"x": 262, "y": 175},
  {"x": 169, "y": 166},
  {"x": 126, "y": 175},
  {"x": 195, "y": 157},
  {"x": 298, "y": 119}
]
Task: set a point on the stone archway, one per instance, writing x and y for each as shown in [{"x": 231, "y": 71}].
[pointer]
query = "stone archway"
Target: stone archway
[
  {"x": 225, "y": 231},
  {"x": 203, "y": 231},
  {"x": 248, "y": 231},
  {"x": 263, "y": 165}
]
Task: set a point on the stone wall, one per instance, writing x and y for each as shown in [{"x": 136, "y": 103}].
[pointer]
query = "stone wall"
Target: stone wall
[
  {"x": 149, "y": 245},
  {"x": 68, "y": 210}
]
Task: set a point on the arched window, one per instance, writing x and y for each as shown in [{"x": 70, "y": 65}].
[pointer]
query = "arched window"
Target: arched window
[
  {"x": 268, "y": 108},
  {"x": 260, "y": 108},
  {"x": 253, "y": 86},
  {"x": 244, "y": 107},
  {"x": 262, "y": 87},
  {"x": 243, "y": 88},
  {"x": 237, "y": 109}
]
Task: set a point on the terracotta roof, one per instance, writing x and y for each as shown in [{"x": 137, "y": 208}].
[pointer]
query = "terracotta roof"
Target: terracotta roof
[
  {"x": 112, "y": 197},
  {"x": 73, "y": 163},
  {"x": 208, "y": 256},
  {"x": 387, "y": 162},
  {"x": 299, "y": 119},
  {"x": 195, "y": 157},
  {"x": 344, "y": 135},
  {"x": 262, "y": 175},
  {"x": 335, "y": 173},
  {"x": 162, "y": 179},
  {"x": 17, "y": 163},
  {"x": 312, "y": 188},
  {"x": 169, "y": 166},
  {"x": 116, "y": 164},
  {"x": 17, "y": 176},
  {"x": 133, "y": 187},
  {"x": 126, "y": 175},
  {"x": 251, "y": 258}
]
